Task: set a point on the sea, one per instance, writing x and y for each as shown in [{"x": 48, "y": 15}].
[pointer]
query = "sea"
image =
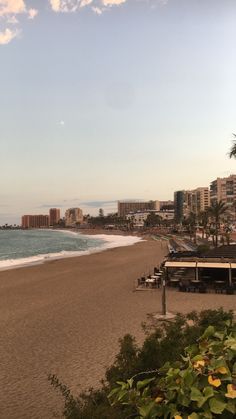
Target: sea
[{"x": 27, "y": 247}]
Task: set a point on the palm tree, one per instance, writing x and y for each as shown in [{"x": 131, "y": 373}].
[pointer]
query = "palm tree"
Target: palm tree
[
  {"x": 232, "y": 152},
  {"x": 216, "y": 211},
  {"x": 204, "y": 219},
  {"x": 190, "y": 224}
]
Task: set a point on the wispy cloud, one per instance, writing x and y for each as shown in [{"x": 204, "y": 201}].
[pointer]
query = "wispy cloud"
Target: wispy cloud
[
  {"x": 98, "y": 204},
  {"x": 7, "y": 35},
  {"x": 97, "y": 6},
  {"x": 50, "y": 206},
  {"x": 32, "y": 13},
  {"x": 97, "y": 10},
  {"x": 113, "y": 2},
  {"x": 9, "y": 7},
  {"x": 11, "y": 14}
]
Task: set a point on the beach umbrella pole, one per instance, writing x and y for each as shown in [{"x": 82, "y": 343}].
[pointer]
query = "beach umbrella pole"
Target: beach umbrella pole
[{"x": 164, "y": 296}]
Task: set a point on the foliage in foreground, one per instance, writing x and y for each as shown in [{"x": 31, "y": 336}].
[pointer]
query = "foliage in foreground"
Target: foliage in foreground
[
  {"x": 202, "y": 385},
  {"x": 163, "y": 344}
]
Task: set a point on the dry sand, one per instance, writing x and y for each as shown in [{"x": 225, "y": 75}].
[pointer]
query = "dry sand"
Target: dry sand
[{"x": 65, "y": 317}]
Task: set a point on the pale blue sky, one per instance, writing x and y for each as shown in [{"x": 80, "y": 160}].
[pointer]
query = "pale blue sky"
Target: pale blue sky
[{"x": 113, "y": 101}]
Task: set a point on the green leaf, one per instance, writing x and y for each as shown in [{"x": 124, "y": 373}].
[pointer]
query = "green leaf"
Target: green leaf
[
  {"x": 193, "y": 415},
  {"x": 188, "y": 378},
  {"x": 145, "y": 411},
  {"x": 210, "y": 331},
  {"x": 122, "y": 384},
  {"x": 113, "y": 392},
  {"x": 121, "y": 395},
  {"x": 130, "y": 382},
  {"x": 184, "y": 400},
  {"x": 219, "y": 335},
  {"x": 231, "y": 343},
  {"x": 192, "y": 349},
  {"x": 206, "y": 415},
  {"x": 231, "y": 406},
  {"x": 208, "y": 392},
  {"x": 170, "y": 395},
  {"x": 144, "y": 383},
  {"x": 196, "y": 395},
  {"x": 217, "y": 406}
]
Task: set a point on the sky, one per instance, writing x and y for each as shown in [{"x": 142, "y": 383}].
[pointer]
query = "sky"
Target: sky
[{"x": 104, "y": 100}]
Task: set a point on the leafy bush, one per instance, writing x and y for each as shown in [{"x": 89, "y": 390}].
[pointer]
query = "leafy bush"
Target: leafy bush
[
  {"x": 164, "y": 343},
  {"x": 201, "y": 385}
]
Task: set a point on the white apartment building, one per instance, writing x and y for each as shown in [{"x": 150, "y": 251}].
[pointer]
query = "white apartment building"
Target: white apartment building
[
  {"x": 73, "y": 217},
  {"x": 224, "y": 189},
  {"x": 139, "y": 218},
  {"x": 200, "y": 199}
]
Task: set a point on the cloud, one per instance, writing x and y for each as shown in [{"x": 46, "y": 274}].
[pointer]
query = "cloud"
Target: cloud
[
  {"x": 70, "y": 6},
  {"x": 32, "y": 13},
  {"x": 84, "y": 3},
  {"x": 98, "y": 204},
  {"x": 12, "y": 20},
  {"x": 97, "y": 10},
  {"x": 7, "y": 36},
  {"x": 97, "y": 6},
  {"x": 65, "y": 5},
  {"x": 11, "y": 12},
  {"x": 12, "y": 7},
  {"x": 113, "y": 2}
]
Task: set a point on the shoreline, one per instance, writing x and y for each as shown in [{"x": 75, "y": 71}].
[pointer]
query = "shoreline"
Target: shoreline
[{"x": 97, "y": 233}]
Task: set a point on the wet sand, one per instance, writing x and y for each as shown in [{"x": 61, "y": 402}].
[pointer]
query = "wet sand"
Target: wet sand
[{"x": 65, "y": 317}]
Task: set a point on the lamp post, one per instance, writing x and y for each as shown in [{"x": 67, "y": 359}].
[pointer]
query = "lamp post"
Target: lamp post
[{"x": 164, "y": 294}]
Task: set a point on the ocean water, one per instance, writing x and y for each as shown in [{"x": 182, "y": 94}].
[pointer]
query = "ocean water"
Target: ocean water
[{"x": 24, "y": 247}]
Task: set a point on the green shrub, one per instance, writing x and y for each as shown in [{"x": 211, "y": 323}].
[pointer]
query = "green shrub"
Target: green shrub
[
  {"x": 201, "y": 385},
  {"x": 164, "y": 343}
]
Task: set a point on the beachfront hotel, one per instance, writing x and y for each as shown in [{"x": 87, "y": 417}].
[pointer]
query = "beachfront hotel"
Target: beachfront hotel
[
  {"x": 35, "y": 221},
  {"x": 127, "y": 207},
  {"x": 73, "y": 217},
  {"x": 138, "y": 218},
  {"x": 54, "y": 216}
]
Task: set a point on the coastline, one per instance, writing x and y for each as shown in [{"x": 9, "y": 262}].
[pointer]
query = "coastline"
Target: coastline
[{"x": 110, "y": 241}]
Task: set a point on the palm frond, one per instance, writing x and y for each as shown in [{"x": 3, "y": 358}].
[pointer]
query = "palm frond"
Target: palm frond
[{"x": 232, "y": 152}]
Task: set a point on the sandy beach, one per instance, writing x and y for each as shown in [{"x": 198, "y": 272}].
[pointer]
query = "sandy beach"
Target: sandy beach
[{"x": 65, "y": 317}]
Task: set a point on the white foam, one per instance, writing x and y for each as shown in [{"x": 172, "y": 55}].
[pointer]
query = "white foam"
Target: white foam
[{"x": 110, "y": 241}]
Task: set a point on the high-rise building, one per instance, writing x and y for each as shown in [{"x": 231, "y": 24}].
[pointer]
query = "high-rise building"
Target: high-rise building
[
  {"x": 223, "y": 189},
  {"x": 54, "y": 216},
  {"x": 180, "y": 205},
  {"x": 200, "y": 200},
  {"x": 35, "y": 221},
  {"x": 126, "y": 207},
  {"x": 73, "y": 217},
  {"x": 195, "y": 201}
]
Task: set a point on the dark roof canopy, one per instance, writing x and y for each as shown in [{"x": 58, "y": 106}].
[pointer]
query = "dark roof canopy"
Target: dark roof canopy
[
  {"x": 228, "y": 252},
  {"x": 219, "y": 253}
]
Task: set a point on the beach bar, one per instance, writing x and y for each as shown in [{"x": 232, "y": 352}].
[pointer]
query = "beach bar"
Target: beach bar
[{"x": 215, "y": 270}]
